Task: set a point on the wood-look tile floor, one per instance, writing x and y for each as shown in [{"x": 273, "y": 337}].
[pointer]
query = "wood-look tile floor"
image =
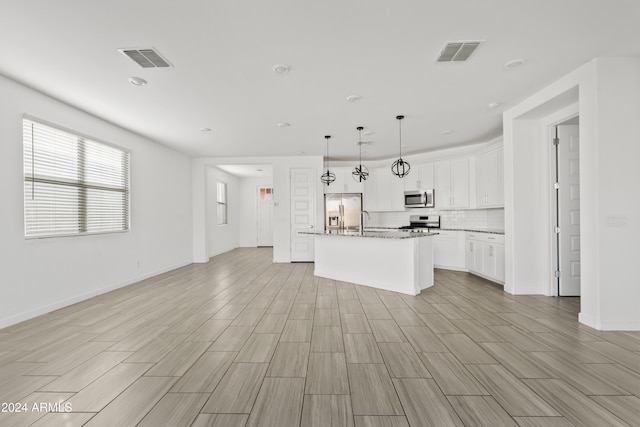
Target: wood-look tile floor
[{"x": 241, "y": 341}]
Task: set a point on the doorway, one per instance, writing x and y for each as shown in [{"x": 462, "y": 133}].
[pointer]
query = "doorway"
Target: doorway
[
  {"x": 566, "y": 206},
  {"x": 264, "y": 216}
]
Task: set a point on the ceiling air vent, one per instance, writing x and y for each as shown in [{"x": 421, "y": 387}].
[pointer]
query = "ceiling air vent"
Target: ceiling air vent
[
  {"x": 457, "y": 51},
  {"x": 146, "y": 58}
]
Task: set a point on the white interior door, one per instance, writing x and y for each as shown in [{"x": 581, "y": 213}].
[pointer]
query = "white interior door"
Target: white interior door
[
  {"x": 569, "y": 210},
  {"x": 265, "y": 216},
  {"x": 303, "y": 216}
]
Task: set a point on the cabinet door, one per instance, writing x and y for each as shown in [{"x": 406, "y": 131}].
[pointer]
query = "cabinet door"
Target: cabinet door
[
  {"x": 499, "y": 255},
  {"x": 478, "y": 253},
  {"x": 369, "y": 196},
  {"x": 445, "y": 249},
  {"x": 350, "y": 184},
  {"x": 482, "y": 172},
  {"x": 489, "y": 178},
  {"x": 470, "y": 256},
  {"x": 397, "y": 193},
  {"x": 442, "y": 174},
  {"x": 489, "y": 260},
  {"x": 420, "y": 177},
  {"x": 500, "y": 199},
  {"x": 460, "y": 182}
]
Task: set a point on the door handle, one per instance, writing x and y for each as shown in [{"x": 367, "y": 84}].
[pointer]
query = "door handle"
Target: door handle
[{"x": 311, "y": 226}]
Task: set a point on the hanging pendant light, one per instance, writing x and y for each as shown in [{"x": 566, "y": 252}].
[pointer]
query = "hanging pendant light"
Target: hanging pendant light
[
  {"x": 328, "y": 177},
  {"x": 400, "y": 168},
  {"x": 360, "y": 173}
]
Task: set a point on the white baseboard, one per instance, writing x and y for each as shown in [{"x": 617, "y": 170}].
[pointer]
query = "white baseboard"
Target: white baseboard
[
  {"x": 609, "y": 325},
  {"x": 12, "y": 320}
]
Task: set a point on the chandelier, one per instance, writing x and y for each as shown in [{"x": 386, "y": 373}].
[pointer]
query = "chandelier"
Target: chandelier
[
  {"x": 400, "y": 168},
  {"x": 360, "y": 173},
  {"x": 328, "y": 177}
]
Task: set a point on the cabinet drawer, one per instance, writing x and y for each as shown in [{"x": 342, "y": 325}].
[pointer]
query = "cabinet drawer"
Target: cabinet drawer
[{"x": 486, "y": 237}]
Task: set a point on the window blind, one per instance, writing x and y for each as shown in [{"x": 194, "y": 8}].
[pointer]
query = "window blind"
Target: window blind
[{"x": 72, "y": 184}]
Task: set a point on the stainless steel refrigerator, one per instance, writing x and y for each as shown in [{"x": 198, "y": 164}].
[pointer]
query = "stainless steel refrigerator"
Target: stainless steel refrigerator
[{"x": 342, "y": 211}]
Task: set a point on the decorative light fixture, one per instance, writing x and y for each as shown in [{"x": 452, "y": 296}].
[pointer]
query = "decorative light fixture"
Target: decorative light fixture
[
  {"x": 360, "y": 173},
  {"x": 328, "y": 177},
  {"x": 400, "y": 168}
]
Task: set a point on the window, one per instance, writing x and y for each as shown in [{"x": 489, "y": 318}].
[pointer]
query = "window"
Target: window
[
  {"x": 222, "y": 203},
  {"x": 266, "y": 194},
  {"x": 72, "y": 185}
]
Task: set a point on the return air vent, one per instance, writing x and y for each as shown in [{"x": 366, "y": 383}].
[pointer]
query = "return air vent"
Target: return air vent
[
  {"x": 457, "y": 51},
  {"x": 146, "y": 58}
]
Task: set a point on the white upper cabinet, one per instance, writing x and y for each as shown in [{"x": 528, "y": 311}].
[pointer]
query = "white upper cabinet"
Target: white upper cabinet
[
  {"x": 452, "y": 183},
  {"x": 383, "y": 191},
  {"x": 489, "y": 178},
  {"x": 344, "y": 182},
  {"x": 420, "y": 177}
]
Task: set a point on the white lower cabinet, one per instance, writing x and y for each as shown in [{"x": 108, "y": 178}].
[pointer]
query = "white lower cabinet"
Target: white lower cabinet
[
  {"x": 448, "y": 250},
  {"x": 485, "y": 255}
]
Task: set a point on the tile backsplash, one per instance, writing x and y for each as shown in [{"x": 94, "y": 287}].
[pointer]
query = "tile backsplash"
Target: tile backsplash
[{"x": 468, "y": 218}]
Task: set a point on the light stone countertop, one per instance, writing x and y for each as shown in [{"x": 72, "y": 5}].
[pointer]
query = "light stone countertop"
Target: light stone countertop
[{"x": 391, "y": 234}]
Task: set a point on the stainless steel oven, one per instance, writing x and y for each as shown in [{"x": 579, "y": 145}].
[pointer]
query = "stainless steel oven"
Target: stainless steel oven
[{"x": 419, "y": 199}]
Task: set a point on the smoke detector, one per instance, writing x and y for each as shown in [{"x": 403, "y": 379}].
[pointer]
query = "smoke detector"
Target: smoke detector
[
  {"x": 146, "y": 57},
  {"x": 457, "y": 51}
]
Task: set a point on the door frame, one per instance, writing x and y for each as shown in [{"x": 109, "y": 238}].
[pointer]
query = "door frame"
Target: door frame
[{"x": 547, "y": 211}]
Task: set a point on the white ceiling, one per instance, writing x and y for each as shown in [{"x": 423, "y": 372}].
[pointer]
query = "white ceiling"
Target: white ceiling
[{"x": 380, "y": 50}]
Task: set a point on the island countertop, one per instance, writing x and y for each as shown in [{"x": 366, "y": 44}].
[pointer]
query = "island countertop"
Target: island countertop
[{"x": 374, "y": 234}]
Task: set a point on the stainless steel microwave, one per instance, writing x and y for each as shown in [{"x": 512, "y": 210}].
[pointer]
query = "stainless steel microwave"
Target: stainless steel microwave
[{"x": 419, "y": 199}]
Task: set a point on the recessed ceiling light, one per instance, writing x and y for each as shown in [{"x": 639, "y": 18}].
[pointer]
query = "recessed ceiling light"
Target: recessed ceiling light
[
  {"x": 137, "y": 81},
  {"x": 283, "y": 125},
  {"x": 205, "y": 129},
  {"x": 514, "y": 63},
  {"x": 447, "y": 132},
  {"x": 493, "y": 105},
  {"x": 281, "y": 68},
  {"x": 354, "y": 98}
]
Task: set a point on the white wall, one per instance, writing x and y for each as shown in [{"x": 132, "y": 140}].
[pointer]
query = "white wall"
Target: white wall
[
  {"x": 609, "y": 107},
  {"x": 248, "y": 215},
  {"x": 44, "y": 274},
  {"x": 282, "y": 197},
  {"x": 222, "y": 238}
]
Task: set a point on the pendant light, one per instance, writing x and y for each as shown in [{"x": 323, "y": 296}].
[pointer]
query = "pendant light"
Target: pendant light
[
  {"x": 360, "y": 173},
  {"x": 328, "y": 177},
  {"x": 400, "y": 168}
]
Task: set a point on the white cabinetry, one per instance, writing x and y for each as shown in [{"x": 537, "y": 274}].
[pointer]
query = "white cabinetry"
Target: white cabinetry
[
  {"x": 420, "y": 177},
  {"x": 485, "y": 255},
  {"x": 452, "y": 183},
  {"x": 449, "y": 250},
  {"x": 490, "y": 178},
  {"x": 383, "y": 191},
  {"x": 344, "y": 182}
]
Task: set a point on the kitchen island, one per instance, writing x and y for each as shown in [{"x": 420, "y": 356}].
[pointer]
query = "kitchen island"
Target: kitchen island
[{"x": 392, "y": 260}]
